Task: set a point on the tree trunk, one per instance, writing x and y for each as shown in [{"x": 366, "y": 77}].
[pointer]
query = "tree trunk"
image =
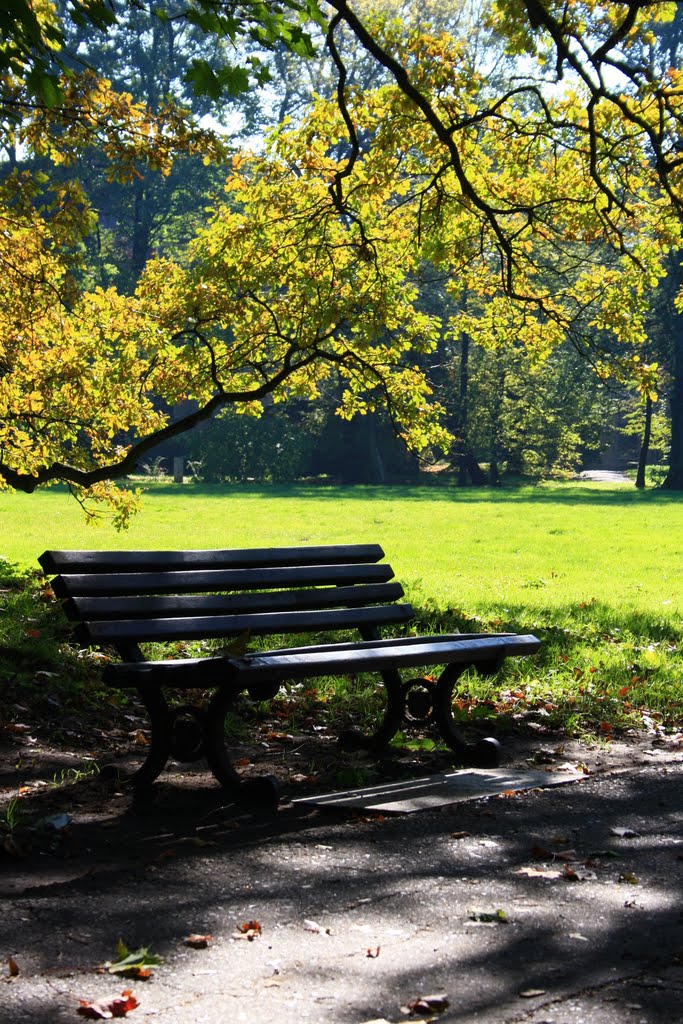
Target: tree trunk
[
  {"x": 645, "y": 446},
  {"x": 142, "y": 230},
  {"x": 462, "y": 425},
  {"x": 674, "y": 480},
  {"x": 470, "y": 470}
]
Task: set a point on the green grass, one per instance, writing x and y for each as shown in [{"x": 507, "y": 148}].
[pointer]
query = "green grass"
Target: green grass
[
  {"x": 595, "y": 571},
  {"x": 541, "y": 547}
]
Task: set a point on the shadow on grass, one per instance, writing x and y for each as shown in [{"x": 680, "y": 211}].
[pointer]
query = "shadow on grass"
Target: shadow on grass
[
  {"x": 570, "y": 494},
  {"x": 567, "y": 624}
]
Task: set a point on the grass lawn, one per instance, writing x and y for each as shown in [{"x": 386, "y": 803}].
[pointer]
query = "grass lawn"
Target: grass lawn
[{"x": 596, "y": 571}]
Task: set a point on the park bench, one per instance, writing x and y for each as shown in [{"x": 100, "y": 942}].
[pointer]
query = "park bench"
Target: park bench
[{"x": 123, "y": 599}]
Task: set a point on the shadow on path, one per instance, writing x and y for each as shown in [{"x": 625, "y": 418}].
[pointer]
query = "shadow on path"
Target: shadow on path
[{"x": 361, "y": 915}]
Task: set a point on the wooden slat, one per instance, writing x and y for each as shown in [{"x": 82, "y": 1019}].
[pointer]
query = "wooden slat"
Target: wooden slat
[
  {"x": 81, "y": 562},
  {"x": 379, "y": 645},
  {"x": 216, "y": 626},
  {"x": 191, "y": 581},
  {"x": 368, "y": 658},
  {"x": 127, "y": 607},
  {"x": 311, "y": 663}
]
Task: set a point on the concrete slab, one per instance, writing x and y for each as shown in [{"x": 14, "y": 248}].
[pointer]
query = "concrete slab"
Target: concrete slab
[{"x": 409, "y": 796}]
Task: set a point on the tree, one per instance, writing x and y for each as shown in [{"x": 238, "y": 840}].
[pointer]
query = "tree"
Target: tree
[{"x": 311, "y": 266}]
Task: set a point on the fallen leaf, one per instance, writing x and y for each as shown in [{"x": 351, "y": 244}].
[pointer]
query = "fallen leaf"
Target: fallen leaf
[
  {"x": 197, "y": 941},
  {"x": 374, "y": 953},
  {"x": 138, "y": 964},
  {"x": 488, "y": 916},
  {"x": 460, "y": 835},
  {"x": 429, "y": 1004},
  {"x": 118, "y": 1007},
  {"x": 13, "y": 968},
  {"x": 539, "y": 852},
  {"x": 532, "y": 993},
  {"x": 249, "y": 930},
  {"x": 14, "y": 847},
  {"x": 574, "y": 874},
  {"x": 629, "y": 878},
  {"x": 533, "y": 872}
]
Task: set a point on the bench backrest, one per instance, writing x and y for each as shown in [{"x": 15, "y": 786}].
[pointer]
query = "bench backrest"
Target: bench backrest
[{"x": 129, "y": 597}]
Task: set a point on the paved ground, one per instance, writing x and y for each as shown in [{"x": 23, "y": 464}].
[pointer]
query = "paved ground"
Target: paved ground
[
  {"x": 554, "y": 906},
  {"x": 605, "y": 476}
]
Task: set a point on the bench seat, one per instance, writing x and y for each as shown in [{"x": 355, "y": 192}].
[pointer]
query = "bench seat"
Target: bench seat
[{"x": 483, "y": 652}]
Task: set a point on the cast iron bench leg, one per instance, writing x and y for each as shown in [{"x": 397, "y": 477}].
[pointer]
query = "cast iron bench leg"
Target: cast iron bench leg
[
  {"x": 160, "y": 745},
  {"x": 483, "y": 754},
  {"x": 264, "y": 790},
  {"x": 354, "y": 739},
  {"x": 176, "y": 732}
]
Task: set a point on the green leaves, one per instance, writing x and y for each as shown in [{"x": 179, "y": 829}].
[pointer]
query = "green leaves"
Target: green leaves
[
  {"x": 47, "y": 86},
  {"x": 138, "y": 964},
  {"x": 227, "y": 81}
]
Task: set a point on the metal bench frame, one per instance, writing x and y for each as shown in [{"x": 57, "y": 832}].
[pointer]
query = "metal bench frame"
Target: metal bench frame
[{"x": 125, "y": 598}]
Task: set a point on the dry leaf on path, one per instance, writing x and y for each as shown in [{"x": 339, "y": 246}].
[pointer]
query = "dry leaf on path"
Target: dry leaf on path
[
  {"x": 197, "y": 941},
  {"x": 575, "y": 874},
  {"x": 488, "y": 916},
  {"x": 533, "y": 872},
  {"x": 136, "y": 964},
  {"x": 436, "y": 1003},
  {"x": 629, "y": 878},
  {"x": 249, "y": 930},
  {"x": 539, "y": 852},
  {"x": 118, "y": 1007}
]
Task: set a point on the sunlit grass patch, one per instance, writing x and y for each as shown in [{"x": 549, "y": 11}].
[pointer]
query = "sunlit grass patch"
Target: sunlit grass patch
[{"x": 595, "y": 572}]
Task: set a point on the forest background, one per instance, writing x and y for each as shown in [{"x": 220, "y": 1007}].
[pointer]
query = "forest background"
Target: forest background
[{"x": 453, "y": 224}]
